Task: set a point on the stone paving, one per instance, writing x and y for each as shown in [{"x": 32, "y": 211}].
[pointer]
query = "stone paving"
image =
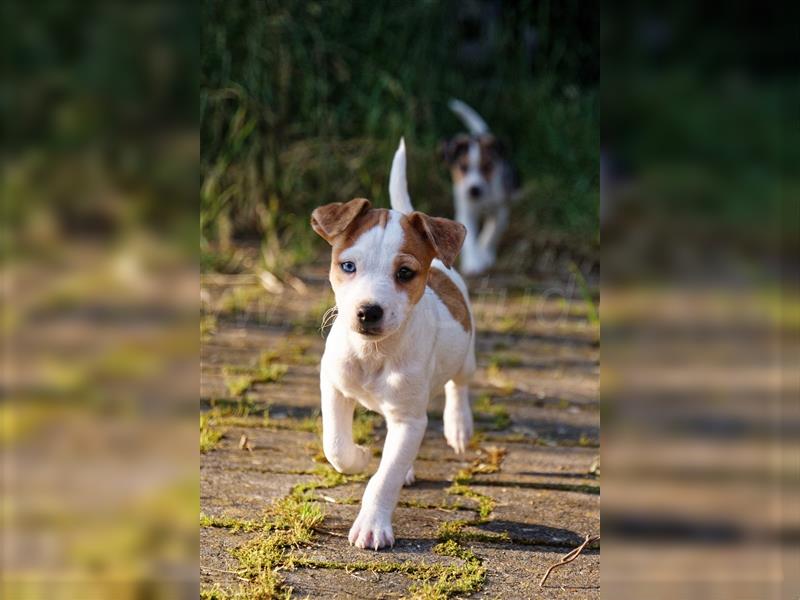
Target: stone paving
[{"x": 275, "y": 516}]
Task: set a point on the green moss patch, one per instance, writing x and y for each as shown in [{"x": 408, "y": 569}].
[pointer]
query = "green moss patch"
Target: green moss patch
[
  {"x": 209, "y": 436},
  {"x": 239, "y": 380},
  {"x": 491, "y": 416},
  {"x": 232, "y": 524}
]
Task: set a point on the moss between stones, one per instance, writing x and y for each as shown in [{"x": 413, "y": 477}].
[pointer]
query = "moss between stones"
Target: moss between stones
[
  {"x": 232, "y": 524},
  {"x": 364, "y": 426},
  {"x": 328, "y": 478},
  {"x": 434, "y": 582},
  {"x": 521, "y": 438},
  {"x": 364, "y": 423},
  {"x": 209, "y": 436},
  {"x": 502, "y": 360},
  {"x": 290, "y": 524},
  {"x": 208, "y": 326},
  {"x": 494, "y": 416},
  {"x": 239, "y": 380},
  {"x": 454, "y": 531}
]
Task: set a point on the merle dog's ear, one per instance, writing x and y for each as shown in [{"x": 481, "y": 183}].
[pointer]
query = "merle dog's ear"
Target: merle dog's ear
[
  {"x": 494, "y": 145},
  {"x": 445, "y": 236},
  {"x": 332, "y": 220},
  {"x": 452, "y": 149}
]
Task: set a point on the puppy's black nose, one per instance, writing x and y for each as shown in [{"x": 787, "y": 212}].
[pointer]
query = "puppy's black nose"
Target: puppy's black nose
[
  {"x": 369, "y": 314},
  {"x": 475, "y": 191}
]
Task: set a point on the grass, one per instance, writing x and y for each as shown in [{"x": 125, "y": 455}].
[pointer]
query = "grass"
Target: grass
[
  {"x": 364, "y": 422},
  {"x": 209, "y": 436},
  {"x": 295, "y": 353},
  {"x": 239, "y": 298},
  {"x": 239, "y": 380},
  {"x": 327, "y": 477},
  {"x": 292, "y": 525},
  {"x": 520, "y": 438},
  {"x": 504, "y": 360},
  {"x": 591, "y": 308},
  {"x": 511, "y": 324},
  {"x": 232, "y": 524},
  {"x": 495, "y": 415},
  {"x": 296, "y": 111},
  {"x": 364, "y": 426},
  {"x": 208, "y": 326},
  {"x": 498, "y": 379}
]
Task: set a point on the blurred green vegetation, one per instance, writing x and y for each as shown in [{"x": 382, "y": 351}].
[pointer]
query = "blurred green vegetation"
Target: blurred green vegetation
[
  {"x": 699, "y": 115},
  {"x": 303, "y": 103},
  {"x": 99, "y": 121}
]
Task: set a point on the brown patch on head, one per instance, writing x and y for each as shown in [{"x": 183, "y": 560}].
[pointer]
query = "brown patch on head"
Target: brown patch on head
[
  {"x": 425, "y": 238},
  {"x": 416, "y": 254},
  {"x": 451, "y": 297}
]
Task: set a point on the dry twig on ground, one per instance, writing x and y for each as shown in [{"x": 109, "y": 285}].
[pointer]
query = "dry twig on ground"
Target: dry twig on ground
[{"x": 568, "y": 558}]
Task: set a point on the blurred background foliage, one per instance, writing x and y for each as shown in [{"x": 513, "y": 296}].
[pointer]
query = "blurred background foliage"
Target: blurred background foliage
[
  {"x": 98, "y": 119},
  {"x": 303, "y": 103},
  {"x": 699, "y": 132}
]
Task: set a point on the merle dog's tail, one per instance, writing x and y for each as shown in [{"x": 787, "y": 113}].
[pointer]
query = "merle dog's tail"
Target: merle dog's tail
[{"x": 473, "y": 121}]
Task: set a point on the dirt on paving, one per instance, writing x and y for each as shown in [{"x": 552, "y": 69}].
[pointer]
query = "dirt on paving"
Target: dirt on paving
[{"x": 487, "y": 525}]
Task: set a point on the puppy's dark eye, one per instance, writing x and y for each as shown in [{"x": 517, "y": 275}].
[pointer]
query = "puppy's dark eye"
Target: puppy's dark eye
[
  {"x": 405, "y": 274},
  {"x": 464, "y": 168},
  {"x": 348, "y": 267}
]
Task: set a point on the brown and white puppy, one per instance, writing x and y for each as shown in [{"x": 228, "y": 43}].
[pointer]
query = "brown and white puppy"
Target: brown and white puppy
[
  {"x": 483, "y": 184},
  {"x": 404, "y": 331}
]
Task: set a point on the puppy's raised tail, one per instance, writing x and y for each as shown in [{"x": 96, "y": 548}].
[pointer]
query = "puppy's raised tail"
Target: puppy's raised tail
[
  {"x": 398, "y": 186},
  {"x": 473, "y": 121}
]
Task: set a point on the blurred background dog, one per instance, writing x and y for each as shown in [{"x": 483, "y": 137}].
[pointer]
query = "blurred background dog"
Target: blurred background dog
[{"x": 484, "y": 182}]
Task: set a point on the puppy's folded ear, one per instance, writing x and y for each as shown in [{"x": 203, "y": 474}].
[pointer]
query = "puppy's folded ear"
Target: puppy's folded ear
[
  {"x": 332, "y": 220},
  {"x": 445, "y": 236}
]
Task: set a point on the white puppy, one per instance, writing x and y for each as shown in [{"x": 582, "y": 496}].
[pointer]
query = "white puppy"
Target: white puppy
[
  {"x": 404, "y": 331},
  {"x": 483, "y": 184}
]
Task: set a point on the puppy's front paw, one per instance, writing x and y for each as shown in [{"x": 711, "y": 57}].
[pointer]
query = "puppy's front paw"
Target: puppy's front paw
[
  {"x": 353, "y": 462},
  {"x": 458, "y": 428},
  {"x": 371, "y": 532}
]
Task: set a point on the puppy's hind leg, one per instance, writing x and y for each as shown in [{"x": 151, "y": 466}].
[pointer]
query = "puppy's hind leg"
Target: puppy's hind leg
[
  {"x": 337, "y": 432},
  {"x": 457, "y": 414}
]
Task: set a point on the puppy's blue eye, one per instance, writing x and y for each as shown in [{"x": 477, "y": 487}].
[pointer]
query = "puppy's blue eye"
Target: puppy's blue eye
[{"x": 348, "y": 267}]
